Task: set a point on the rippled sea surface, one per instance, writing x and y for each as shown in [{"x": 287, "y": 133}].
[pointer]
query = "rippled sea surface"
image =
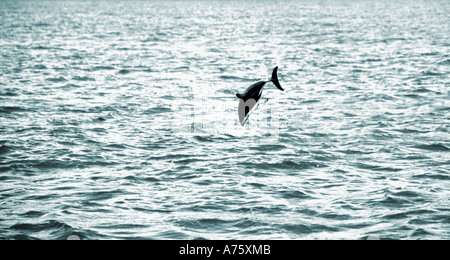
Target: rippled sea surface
[{"x": 118, "y": 120}]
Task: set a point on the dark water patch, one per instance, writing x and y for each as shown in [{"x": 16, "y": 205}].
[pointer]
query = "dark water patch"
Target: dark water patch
[
  {"x": 354, "y": 152},
  {"x": 285, "y": 165},
  {"x": 413, "y": 157},
  {"x": 395, "y": 216},
  {"x": 71, "y": 86},
  {"x": 432, "y": 73},
  {"x": 50, "y": 164},
  {"x": 204, "y": 224},
  {"x": 41, "y": 24},
  {"x": 268, "y": 147},
  {"x": 430, "y": 53},
  {"x": 40, "y": 47},
  {"x": 65, "y": 188},
  {"x": 124, "y": 72},
  {"x": 203, "y": 138},
  {"x": 294, "y": 194},
  {"x": 40, "y": 67},
  {"x": 444, "y": 62},
  {"x": 408, "y": 194},
  {"x": 302, "y": 229},
  {"x": 99, "y": 119},
  {"x": 422, "y": 90},
  {"x": 310, "y": 101},
  {"x": 444, "y": 109},
  {"x": 171, "y": 234},
  {"x": 4, "y": 149},
  {"x": 442, "y": 217},
  {"x": 142, "y": 179},
  {"x": 412, "y": 131},
  {"x": 168, "y": 97},
  {"x": 188, "y": 161},
  {"x": 256, "y": 185},
  {"x": 376, "y": 167},
  {"x": 41, "y": 197},
  {"x": 157, "y": 110},
  {"x": 152, "y": 38},
  {"x": 84, "y": 78},
  {"x": 414, "y": 96},
  {"x": 99, "y": 68},
  {"x": 234, "y": 78},
  {"x": 335, "y": 216},
  {"x": 9, "y": 92},
  {"x": 12, "y": 109},
  {"x": 249, "y": 223},
  {"x": 390, "y": 201},
  {"x": 21, "y": 237},
  {"x": 432, "y": 176},
  {"x": 421, "y": 233},
  {"x": 54, "y": 227},
  {"x": 56, "y": 80},
  {"x": 121, "y": 226},
  {"x": 102, "y": 195},
  {"x": 433, "y": 147},
  {"x": 33, "y": 214}
]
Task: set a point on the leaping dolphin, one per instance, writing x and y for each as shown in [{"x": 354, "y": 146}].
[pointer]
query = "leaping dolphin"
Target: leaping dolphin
[{"x": 252, "y": 95}]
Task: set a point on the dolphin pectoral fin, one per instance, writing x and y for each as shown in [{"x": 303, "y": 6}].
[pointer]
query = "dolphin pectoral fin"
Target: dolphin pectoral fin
[{"x": 274, "y": 79}]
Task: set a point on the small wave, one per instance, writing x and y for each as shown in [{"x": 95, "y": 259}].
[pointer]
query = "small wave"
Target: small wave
[
  {"x": 353, "y": 151},
  {"x": 153, "y": 38},
  {"x": 144, "y": 179},
  {"x": 40, "y": 47},
  {"x": 285, "y": 164},
  {"x": 204, "y": 223},
  {"x": 272, "y": 147},
  {"x": 228, "y": 77},
  {"x": 12, "y": 109},
  {"x": 409, "y": 194},
  {"x": 390, "y": 201},
  {"x": 308, "y": 229},
  {"x": 335, "y": 216},
  {"x": 71, "y": 85},
  {"x": 421, "y": 233},
  {"x": 85, "y": 78},
  {"x": 294, "y": 194},
  {"x": 41, "y": 24},
  {"x": 157, "y": 110},
  {"x": 56, "y": 80},
  {"x": 9, "y": 93},
  {"x": 376, "y": 167},
  {"x": 33, "y": 214},
  {"x": 432, "y": 73},
  {"x": 444, "y": 62},
  {"x": 395, "y": 216},
  {"x": 40, "y": 67},
  {"x": 203, "y": 138},
  {"x": 4, "y": 148},
  {"x": 56, "y": 228},
  {"x": 102, "y": 195},
  {"x": 433, "y": 147},
  {"x": 432, "y": 176},
  {"x": 124, "y": 72},
  {"x": 422, "y": 90},
  {"x": 98, "y": 68}
]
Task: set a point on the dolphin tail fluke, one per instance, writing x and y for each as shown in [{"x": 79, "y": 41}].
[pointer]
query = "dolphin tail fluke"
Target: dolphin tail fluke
[{"x": 274, "y": 79}]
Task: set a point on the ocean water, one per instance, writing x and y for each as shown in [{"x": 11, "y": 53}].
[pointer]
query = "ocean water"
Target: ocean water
[{"x": 118, "y": 120}]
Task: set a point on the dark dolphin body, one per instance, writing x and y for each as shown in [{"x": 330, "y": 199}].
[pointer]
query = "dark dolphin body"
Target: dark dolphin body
[
  {"x": 255, "y": 90},
  {"x": 253, "y": 93}
]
